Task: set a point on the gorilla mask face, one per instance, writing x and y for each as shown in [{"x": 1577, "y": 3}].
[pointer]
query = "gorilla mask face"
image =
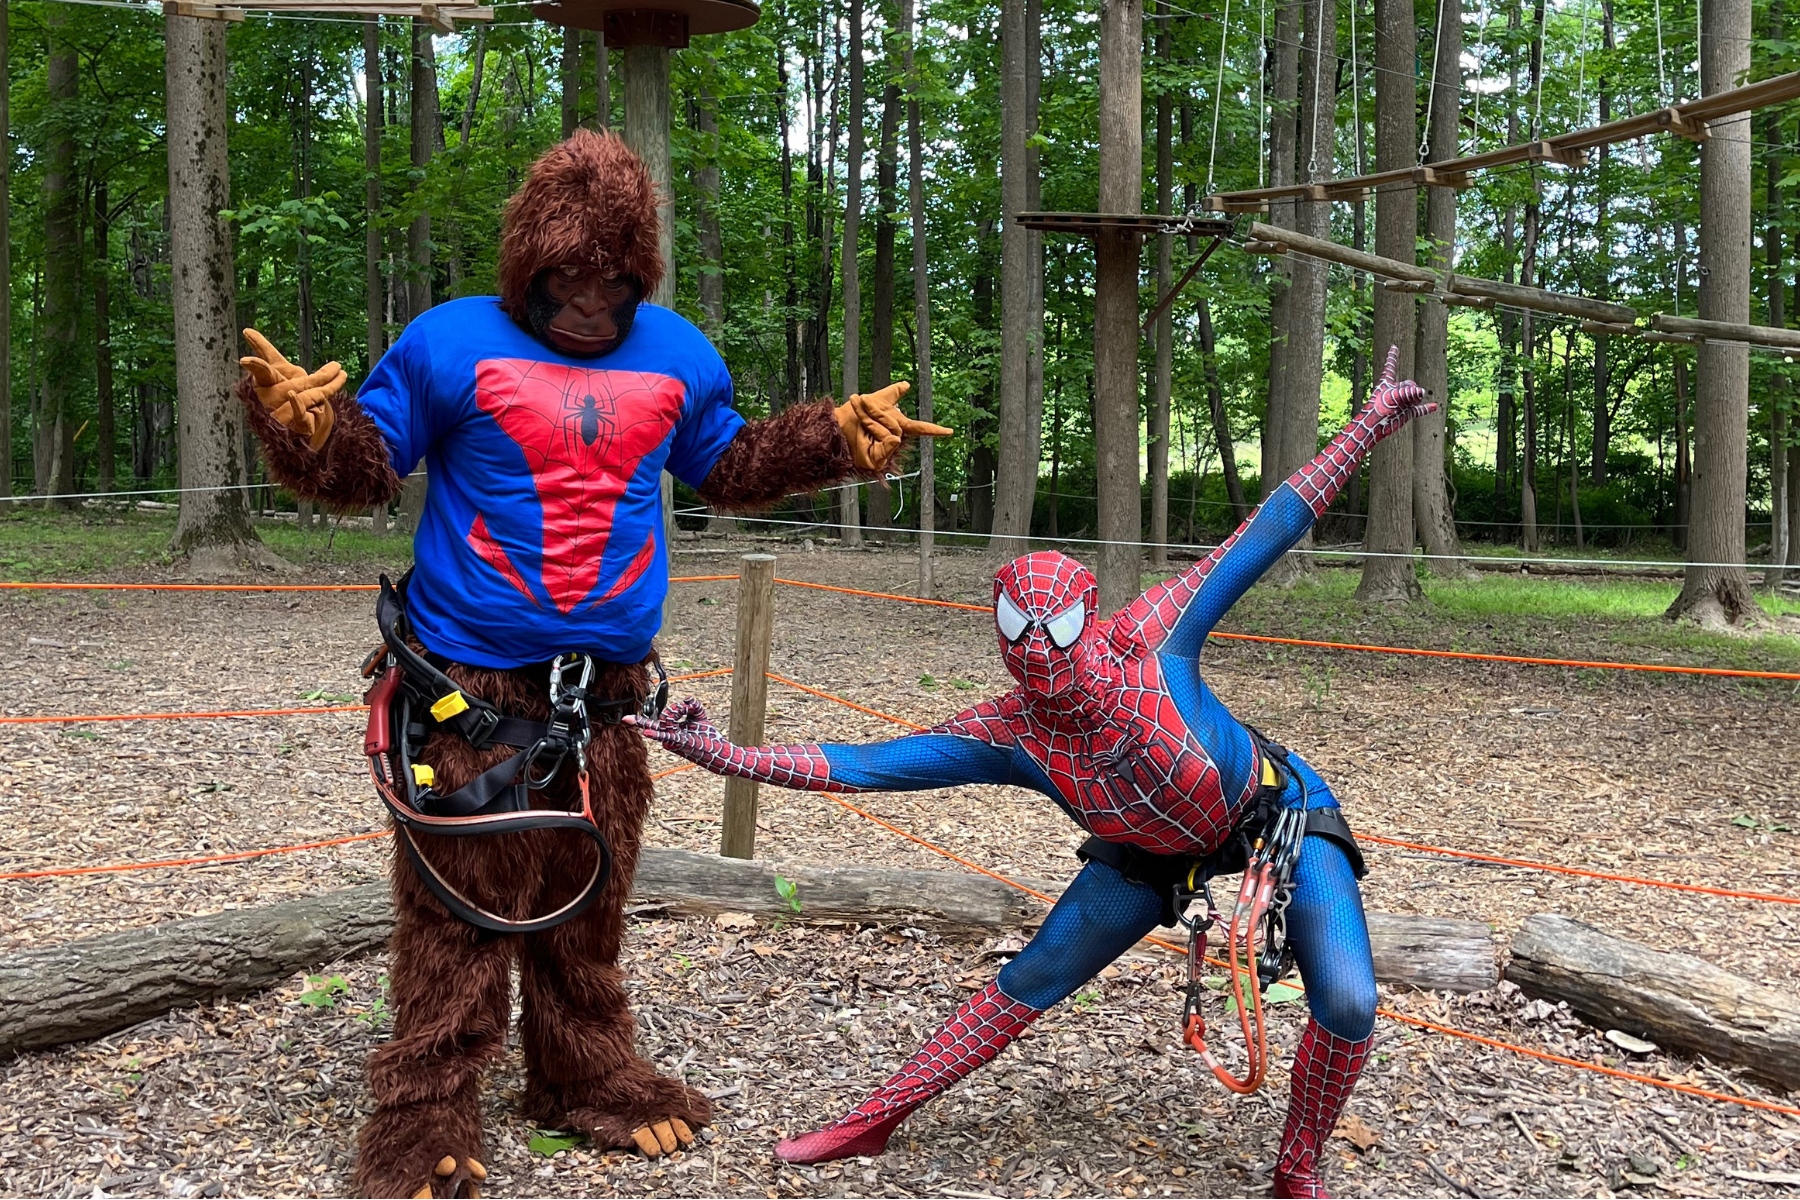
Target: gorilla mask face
[
  {"x": 582, "y": 310},
  {"x": 1044, "y": 613}
]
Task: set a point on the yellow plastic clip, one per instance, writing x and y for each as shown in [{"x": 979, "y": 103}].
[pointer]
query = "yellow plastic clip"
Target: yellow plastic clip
[
  {"x": 423, "y": 775},
  {"x": 449, "y": 706},
  {"x": 1269, "y": 777}
]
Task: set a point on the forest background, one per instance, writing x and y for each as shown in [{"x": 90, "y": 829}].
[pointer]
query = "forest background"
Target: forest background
[{"x": 789, "y": 131}]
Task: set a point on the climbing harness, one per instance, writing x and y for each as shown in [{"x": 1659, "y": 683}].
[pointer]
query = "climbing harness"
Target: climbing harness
[{"x": 412, "y": 697}]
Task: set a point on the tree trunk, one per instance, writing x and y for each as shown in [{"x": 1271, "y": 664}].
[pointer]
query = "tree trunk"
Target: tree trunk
[
  {"x": 1684, "y": 464},
  {"x": 106, "y": 446},
  {"x": 306, "y": 317},
  {"x": 712, "y": 247},
  {"x": 1774, "y": 213},
  {"x": 424, "y": 112},
  {"x": 1163, "y": 379},
  {"x": 603, "y": 82},
  {"x": 570, "y": 80},
  {"x": 1284, "y": 57},
  {"x": 915, "y": 197},
  {"x": 1388, "y": 574},
  {"x": 1116, "y": 305},
  {"x": 1034, "y": 202},
  {"x": 1431, "y": 449},
  {"x": 1021, "y": 429},
  {"x": 881, "y": 313},
  {"x": 62, "y": 368},
  {"x": 373, "y": 113},
  {"x": 6, "y": 426},
  {"x": 1295, "y": 419},
  {"x": 213, "y": 530},
  {"x": 1221, "y": 424},
  {"x": 1528, "y": 529},
  {"x": 1720, "y": 595},
  {"x": 1571, "y": 458},
  {"x": 1603, "y": 259},
  {"x": 850, "y": 496}
]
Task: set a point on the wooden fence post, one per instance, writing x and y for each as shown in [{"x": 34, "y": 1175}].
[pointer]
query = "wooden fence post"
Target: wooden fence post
[{"x": 749, "y": 695}]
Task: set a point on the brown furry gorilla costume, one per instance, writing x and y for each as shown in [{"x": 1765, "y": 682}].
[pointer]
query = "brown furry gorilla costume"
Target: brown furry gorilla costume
[{"x": 587, "y": 202}]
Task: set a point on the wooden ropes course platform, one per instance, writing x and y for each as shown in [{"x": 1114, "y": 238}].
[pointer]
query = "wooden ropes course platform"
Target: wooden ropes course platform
[
  {"x": 1687, "y": 120},
  {"x": 442, "y": 14}
]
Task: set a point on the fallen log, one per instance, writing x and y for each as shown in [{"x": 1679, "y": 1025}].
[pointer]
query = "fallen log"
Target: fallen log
[
  {"x": 88, "y": 988},
  {"x": 1675, "y": 1000}
]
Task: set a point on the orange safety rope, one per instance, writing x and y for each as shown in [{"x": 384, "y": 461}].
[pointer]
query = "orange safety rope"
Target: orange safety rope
[
  {"x": 248, "y": 587},
  {"x": 1538, "y": 866},
  {"x": 175, "y": 716},
  {"x": 189, "y": 862},
  {"x": 1665, "y": 668},
  {"x": 846, "y": 703}
]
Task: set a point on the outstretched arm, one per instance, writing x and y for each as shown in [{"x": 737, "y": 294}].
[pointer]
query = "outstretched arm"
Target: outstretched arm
[
  {"x": 915, "y": 763},
  {"x": 1176, "y": 616}
]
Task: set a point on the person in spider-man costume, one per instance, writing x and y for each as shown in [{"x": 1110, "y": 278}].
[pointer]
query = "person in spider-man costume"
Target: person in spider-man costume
[
  {"x": 546, "y": 416},
  {"x": 1113, "y": 722}
]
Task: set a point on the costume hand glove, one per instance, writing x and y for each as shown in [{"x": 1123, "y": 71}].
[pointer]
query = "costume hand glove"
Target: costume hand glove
[
  {"x": 875, "y": 427},
  {"x": 301, "y": 402},
  {"x": 685, "y": 729},
  {"x": 1394, "y": 402}
]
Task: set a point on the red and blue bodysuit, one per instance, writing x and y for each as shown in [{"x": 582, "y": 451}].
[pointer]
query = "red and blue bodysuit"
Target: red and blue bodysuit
[{"x": 1112, "y": 721}]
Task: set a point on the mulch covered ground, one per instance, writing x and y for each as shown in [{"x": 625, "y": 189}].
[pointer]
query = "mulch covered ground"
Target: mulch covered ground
[{"x": 790, "y": 1023}]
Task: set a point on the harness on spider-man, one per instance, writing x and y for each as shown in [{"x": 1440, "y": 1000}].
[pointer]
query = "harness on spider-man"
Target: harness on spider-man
[{"x": 412, "y": 698}]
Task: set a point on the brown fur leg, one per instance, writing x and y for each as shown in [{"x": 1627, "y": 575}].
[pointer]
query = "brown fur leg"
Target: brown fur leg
[{"x": 578, "y": 1031}]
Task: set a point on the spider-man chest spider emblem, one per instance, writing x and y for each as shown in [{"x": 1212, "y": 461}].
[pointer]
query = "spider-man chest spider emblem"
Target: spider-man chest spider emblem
[
  {"x": 584, "y": 434},
  {"x": 1098, "y": 719}
]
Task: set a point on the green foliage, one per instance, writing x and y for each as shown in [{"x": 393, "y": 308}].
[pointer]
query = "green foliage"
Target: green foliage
[
  {"x": 788, "y": 891},
  {"x": 551, "y": 1142},
  {"x": 323, "y": 990}
]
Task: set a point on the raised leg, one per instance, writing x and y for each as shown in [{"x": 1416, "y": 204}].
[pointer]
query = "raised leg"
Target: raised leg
[
  {"x": 1098, "y": 918},
  {"x": 583, "y": 1070},
  {"x": 1331, "y": 944},
  {"x": 450, "y": 986}
]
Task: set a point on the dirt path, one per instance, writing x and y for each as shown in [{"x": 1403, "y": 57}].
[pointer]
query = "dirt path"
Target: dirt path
[{"x": 1687, "y": 780}]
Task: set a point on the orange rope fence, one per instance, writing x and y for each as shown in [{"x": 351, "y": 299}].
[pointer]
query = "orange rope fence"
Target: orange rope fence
[
  {"x": 176, "y": 716},
  {"x": 246, "y": 587},
  {"x": 191, "y": 862}
]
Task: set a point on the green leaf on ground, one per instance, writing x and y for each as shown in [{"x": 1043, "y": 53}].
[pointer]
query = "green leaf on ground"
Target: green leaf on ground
[{"x": 551, "y": 1142}]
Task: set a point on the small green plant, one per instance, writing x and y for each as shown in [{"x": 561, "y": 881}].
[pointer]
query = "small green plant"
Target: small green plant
[
  {"x": 928, "y": 682},
  {"x": 551, "y": 1142},
  {"x": 788, "y": 891},
  {"x": 1086, "y": 1000},
  {"x": 321, "y": 696},
  {"x": 962, "y": 685},
  {"x": 1278, "y": 993},
  {"x": 86, "y": 735},
  {"x": 213, "y": 785},
  {"x": 323, "y": 990},
  {"x": 121, "y": 665},
  {"x": 1318, "y": 682},
  {"x": 1747, "y": 822}
]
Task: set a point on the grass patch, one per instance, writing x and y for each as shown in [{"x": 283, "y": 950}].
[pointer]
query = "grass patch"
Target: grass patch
[{"x": 36, "y": 545}]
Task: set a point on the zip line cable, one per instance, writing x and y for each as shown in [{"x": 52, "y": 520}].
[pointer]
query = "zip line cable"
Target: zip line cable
[{"x": 1219, "y": 95}]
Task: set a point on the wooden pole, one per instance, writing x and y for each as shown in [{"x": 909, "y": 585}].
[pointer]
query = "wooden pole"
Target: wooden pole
[
  {"x": 749, "y": 695},
  {"x": 1727, "y": 331}
]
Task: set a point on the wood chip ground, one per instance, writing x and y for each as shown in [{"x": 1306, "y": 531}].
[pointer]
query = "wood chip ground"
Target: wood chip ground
[{"x": 788, "y": 1024}]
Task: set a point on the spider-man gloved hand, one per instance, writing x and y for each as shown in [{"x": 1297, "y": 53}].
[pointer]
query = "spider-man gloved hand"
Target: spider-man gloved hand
[
  {"x": 1394, "y": 402},
  {"x": 685, "y": 730}
]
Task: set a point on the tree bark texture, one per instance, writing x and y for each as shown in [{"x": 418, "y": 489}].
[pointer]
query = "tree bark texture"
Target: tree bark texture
[
  {"x": 424, "y": 113},
  {"x": 1679, "y": 1001},
  {"x": 1221, "y": 422},
  {"x": 849, "y": 496},
  {"x": 570, "y": 79},
  {"x": 61, "y": 323},
  {"x": 1116, "y": 304},
  {"x": 646, "y": 79},
  {"x": 881, "y": 308},
  {"x": 1721, "y": 594},
  {"x": 106, "y": 447},
  {"x": 915, "y": 200},
  {"x": 213, "y": 529},
  {"x": 1388, "y": 574},
  {"x": 374, "y": 296},
  {"x": 1021, "y": 429},
  {"x": 1431, "y": 494},
  {"x": 1283, "y": 136},
  {"x": 94, "y": 986},
  {"x": 6, "y": 427},
  {"x": 1163, "y": 378},
  {"x": 1296, "y": 403}
]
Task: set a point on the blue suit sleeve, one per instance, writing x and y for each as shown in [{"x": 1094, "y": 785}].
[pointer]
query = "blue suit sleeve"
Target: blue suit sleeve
[
  {"x": 709, "y": 422},
  {"x": 397, "y": 395},
  {"x": 918, "y": 763},
  {"x": 1274, "y": 529}
]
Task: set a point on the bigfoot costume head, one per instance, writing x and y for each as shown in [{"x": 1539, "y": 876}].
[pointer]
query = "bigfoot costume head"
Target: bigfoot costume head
[{"x": 578, "y": 246}]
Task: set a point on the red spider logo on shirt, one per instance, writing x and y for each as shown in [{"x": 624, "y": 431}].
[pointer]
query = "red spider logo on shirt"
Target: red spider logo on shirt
[{"x": 584, "y": 433}]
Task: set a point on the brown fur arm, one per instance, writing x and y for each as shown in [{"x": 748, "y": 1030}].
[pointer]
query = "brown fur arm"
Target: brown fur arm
[
  {"x": 352, "y": 470},
  {"x": 799, "y": 450}
]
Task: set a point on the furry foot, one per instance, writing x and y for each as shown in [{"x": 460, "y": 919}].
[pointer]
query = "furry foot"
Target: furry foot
[
  {"x": 1298, "y": 1185},
  {"x": 850, "y": 1138},
  {"x": 421, "y": 1150},
  {"x": 659, "y": 1120}
]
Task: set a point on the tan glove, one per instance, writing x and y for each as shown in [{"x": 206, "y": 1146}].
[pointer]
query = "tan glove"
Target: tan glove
[
  {"x": 875, "y": 427},
  {"x": 301, "y": 402}
]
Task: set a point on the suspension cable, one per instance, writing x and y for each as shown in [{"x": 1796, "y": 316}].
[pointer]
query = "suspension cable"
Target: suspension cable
[{"x": 1212, "y": 155}]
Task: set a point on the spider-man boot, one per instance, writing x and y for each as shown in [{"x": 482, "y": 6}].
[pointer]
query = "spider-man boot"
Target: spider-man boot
[
  {"x": 1325, "y": 1069},
  {"x": 981, "y": 1028}
]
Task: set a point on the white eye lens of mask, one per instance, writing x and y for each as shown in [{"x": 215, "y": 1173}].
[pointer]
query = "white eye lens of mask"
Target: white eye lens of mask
[
  {"x": 1007, "y": 616},
  {"x": 1066, "y": 626}
]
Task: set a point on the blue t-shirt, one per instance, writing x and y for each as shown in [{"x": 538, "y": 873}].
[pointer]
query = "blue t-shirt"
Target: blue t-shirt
[{"x": 542, "y": 531}]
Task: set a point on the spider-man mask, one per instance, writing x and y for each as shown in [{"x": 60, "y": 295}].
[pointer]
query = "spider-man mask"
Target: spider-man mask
[{"x": 1044, "y": 611}]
